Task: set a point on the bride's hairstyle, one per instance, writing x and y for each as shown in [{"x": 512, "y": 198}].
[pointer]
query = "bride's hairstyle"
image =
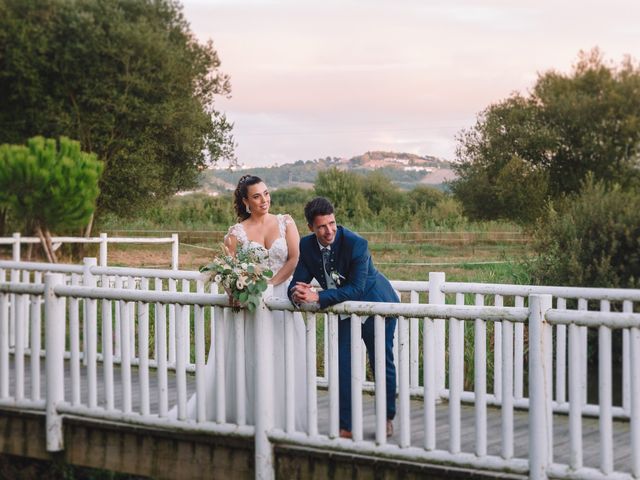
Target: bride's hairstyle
[{"x": 241, "y": 192}]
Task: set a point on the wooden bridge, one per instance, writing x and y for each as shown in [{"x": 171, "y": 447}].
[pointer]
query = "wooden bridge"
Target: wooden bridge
[
  {"x": 123, "y": 446},
  {"x": 108, "y": 409}
]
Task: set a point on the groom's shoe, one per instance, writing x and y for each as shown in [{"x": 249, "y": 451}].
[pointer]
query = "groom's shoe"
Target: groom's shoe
[
  {"x": 389, "y": 428},
  {"x": 345, "y": 433}
]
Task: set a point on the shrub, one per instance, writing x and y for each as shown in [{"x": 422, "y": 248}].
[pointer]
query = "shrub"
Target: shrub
[{"x": 591, "y": 239}]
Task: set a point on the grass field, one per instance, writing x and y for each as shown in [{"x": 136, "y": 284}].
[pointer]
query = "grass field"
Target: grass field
[{"x": 490, "y": 256}]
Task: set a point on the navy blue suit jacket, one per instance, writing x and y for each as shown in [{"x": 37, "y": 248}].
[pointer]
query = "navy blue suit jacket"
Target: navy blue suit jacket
[{"x": 351, "y": 259}]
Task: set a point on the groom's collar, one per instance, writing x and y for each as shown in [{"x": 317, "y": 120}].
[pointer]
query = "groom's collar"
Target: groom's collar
[{"x": 320, "y": 246}]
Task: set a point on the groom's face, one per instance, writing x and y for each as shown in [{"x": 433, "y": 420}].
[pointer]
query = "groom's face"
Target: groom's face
[{"x": 324, "y": 227}]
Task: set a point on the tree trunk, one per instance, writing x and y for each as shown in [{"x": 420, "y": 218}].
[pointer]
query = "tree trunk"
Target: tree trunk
[
  {"x": 3, "y": 220},
  {"x": 45, "y": 240},
  {"x": 43, "y": 243},
  {"x": 47, "y": 236},
  {"x": 87, "y": 232}
]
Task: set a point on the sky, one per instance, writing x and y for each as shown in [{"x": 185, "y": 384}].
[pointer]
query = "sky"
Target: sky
[{"x": 337, "y": 78}]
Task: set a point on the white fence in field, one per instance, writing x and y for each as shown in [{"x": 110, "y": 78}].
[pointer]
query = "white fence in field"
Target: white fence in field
[
  {"x": 435, "y": 328},
  {"x": 16, "y": 241}
]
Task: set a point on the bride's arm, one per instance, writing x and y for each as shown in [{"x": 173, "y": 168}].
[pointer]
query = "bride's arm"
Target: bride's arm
[{"x": 293, "y": 246}]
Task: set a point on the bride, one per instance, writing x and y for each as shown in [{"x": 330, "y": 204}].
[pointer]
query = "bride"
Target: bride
[{"x": 277, "y": 236}]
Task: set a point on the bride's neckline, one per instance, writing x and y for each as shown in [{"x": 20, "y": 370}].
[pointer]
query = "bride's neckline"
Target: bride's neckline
[
  {"x": 263, "y": 246},
  {"x": 244, "y": 230}
]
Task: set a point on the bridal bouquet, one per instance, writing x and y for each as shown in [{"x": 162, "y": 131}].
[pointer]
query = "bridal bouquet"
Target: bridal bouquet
[{"x": 242, "y": 276}]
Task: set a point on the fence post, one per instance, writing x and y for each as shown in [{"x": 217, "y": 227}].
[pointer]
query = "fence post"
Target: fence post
[
  {"x": 540, "y": 388},
  {"x": 16, "y": 247},
  {"x": 14, "y": 278},
  {"x": 437, "y": 297},
  {"x": 54, "y": 310},
  {"x": 634, "y": 398},
  {"x": 89, "y": 311},
  {"x": 90, "y": 324},
  {"x": 4, "y": 341},
  {"x": 262, "y": 320},
  {"x": 175, "y": 245},
  {"x": 103, "y": 250}
]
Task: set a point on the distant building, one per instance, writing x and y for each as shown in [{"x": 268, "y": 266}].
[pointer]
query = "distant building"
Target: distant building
[
  {"x": 401, "y": 161},
  {"x": 193, "y": 192},
  {"x": 240, "y": 166}
]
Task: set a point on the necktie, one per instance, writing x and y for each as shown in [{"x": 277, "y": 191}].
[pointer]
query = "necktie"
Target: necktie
[
  {"x": 326, "y": 253},
  {"x": 325, "y": 258}
]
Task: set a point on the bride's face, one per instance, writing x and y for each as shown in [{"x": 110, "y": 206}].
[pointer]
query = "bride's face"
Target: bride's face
[{"x": 258, "y": 199}]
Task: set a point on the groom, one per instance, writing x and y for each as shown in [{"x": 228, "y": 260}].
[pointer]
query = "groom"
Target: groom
[{"x": 340, "y": 261}]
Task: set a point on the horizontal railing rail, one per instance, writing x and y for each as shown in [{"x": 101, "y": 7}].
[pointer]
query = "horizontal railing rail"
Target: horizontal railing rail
[
  {"x": 619, "y": 294},
  {"x": 103, "y": 240}
]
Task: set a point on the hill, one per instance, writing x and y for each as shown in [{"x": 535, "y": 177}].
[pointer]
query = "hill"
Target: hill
[{"x": 406, "y": 170}]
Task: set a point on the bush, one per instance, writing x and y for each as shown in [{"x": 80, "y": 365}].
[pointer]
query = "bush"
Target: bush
[
  {"x": 345, "y": 190},
  {"x": 591, "y": 239}
]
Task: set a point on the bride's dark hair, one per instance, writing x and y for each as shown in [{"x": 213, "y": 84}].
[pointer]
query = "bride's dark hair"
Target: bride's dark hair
[{"x": 241, "y": 192}]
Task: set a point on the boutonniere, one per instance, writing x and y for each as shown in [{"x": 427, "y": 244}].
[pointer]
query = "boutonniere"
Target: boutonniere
[{"x": 336, "y": 277}]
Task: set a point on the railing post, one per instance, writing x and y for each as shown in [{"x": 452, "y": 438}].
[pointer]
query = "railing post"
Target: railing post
[
  {"x": 14, "y": 278},
  {"x": 634, "y": 398},
  {"x": 103, "y": 250},
  {"x": 540, "y": 390},
  {"x": 89, "y": 324},
  {"x": 262, "y": 320},
  {"x": 437, "y": 297},
  {"x": 16, "y": 247},
  {"x": 175, "y": 245},
  {"x": 333, "y": 374},
  {"x": 4, "y": 341},
  {"x": 54, "y": 309}
]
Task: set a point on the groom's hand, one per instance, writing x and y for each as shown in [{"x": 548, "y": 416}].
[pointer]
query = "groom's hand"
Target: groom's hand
[{"x": 304, "y": 293}]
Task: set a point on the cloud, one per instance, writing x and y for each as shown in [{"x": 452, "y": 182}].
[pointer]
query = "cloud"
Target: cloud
[{"x": 339, "y": 77}]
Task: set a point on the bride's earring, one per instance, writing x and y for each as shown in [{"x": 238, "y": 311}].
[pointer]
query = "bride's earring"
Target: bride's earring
[{"x": 248, "y": 209}]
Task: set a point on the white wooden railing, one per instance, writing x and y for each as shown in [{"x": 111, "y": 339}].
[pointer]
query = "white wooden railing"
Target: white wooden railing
[
  {"x": 125, "y": 293},
  {"x": 16, "y": 241},
  {"x": 435, "y": 291}
]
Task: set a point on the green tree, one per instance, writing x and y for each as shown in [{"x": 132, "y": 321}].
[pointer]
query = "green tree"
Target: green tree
[
  {"x": 379, "y": 193},
  {"x": 527, "y": 149},
  {"x": 424, "y": 197},
  {"x": 127, "y": 78},
  {"x": 345, "y": 191},
  {"x": 51, "y": 188}
]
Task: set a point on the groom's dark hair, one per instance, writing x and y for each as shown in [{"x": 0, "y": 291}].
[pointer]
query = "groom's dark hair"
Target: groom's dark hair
[{"x": 315, "y": 207}]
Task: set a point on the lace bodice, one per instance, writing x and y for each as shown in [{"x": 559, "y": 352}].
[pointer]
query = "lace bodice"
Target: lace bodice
[{"x": 277, "y": 254}]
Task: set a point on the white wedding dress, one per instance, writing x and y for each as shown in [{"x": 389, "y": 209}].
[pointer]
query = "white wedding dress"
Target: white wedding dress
[{"x": 276, "y": 258}]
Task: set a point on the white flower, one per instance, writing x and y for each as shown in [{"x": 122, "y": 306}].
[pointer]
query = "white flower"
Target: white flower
[
  {"x": 336, "y": 277},
  {"x": 241, "y": 282},
  {"x": 218, "y": 278}
]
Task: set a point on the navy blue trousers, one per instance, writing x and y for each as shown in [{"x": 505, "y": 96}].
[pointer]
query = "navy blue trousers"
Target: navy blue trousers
[{"x": 344, "y": 365}]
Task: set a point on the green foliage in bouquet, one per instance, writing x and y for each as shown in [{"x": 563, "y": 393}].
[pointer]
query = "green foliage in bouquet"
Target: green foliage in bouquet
[{"x": 243, "y": 276}]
